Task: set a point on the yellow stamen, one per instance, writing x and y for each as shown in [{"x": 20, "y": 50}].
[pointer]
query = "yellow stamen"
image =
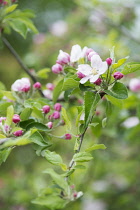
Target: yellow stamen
[{"x": 94, "y": 71}]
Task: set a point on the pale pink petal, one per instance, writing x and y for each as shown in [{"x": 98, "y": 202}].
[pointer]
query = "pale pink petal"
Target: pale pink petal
[
  {"x": 96, "y": 62},
  {"x": 93, "y": 78},
  {"x": 83, "y": 53},
  {"x": 103, "y": 68},
  {"x": 84, "y": 80},
  {"x": 75, "y": 53},
  {"x": 84, "y": 69}
]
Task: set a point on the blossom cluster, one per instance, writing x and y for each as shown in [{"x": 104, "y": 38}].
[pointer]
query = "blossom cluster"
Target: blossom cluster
[{"x": 88, "y": 64}]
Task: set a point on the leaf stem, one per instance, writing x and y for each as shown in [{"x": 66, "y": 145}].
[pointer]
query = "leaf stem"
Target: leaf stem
[{"x": 23, "y": 66}]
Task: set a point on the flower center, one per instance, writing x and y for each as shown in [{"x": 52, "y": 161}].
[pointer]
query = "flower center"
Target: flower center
[{"x": 94, "y": 71}]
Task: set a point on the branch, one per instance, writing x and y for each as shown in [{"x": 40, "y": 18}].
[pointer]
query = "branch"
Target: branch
[{"x": 23, "y": 66}]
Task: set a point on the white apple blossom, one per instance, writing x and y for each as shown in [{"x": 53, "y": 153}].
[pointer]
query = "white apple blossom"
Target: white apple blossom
[
  {"x": 77, "y": 52},
  {"x": 21, "y": 85},
  {"x": 93, "y": 72}
]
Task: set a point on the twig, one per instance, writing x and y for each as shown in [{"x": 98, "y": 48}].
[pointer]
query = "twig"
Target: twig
[{"x": 17, "y": 57}]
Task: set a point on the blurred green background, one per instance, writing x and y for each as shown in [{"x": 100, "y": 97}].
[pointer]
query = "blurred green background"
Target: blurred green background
[{"x": 111, "y": 180}]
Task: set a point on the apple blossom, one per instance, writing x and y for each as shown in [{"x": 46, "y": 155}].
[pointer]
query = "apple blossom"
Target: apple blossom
[
  {"x": 67, "y": 136},
  {"x": 21, "y": 85},
  {"x": 49, "y": 125},
  {"x": 98, "y": 81},
  {"x": 80, "y": 75},
  {"x": 37, "y": 85},
  {"x": 18, "y": 133},
  {"x": 50, "y": 86},
  {"x": 91, "y": 54},
  {"x": 109, "y": 61},
  {"x": 93, "y": 72},
  {"x": 56, "y": 115},
  {"x": 134, "y": 85}
]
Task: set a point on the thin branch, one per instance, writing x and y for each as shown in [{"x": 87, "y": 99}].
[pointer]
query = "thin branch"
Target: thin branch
[{"x": 23, "y": 66}]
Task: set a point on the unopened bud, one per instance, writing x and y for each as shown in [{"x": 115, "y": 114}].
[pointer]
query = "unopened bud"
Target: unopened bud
[
  {"x": 18, "y": 133},
  {"x": 49, "y": 125},
  {"x": 57, "y": 68},
  {"x": 109, "y": 61},
  {"x": 37, "y": 85},
  {"x": 16, "y": 118},
  {"x": 80, "y": 75},
  {"x": 58, "y": 107},
  {"x": 56, "y": 115},
  {"x": 46, "y": 109},
  {"x": 50, "y": 86},
  {"x": 118, "y": 75},
  {"x": 67, "y": 136},
  {"x": 98, "y": 81}
]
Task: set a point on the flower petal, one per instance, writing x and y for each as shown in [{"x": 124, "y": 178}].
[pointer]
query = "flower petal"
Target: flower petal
[
  {"x": 84, "y": 69},
  {"x": 93, "y": 78},
  {"x": 103, "y": 68},
  {"x": 84, "y": 80},
  {"x": 75, "y": 53},
  {"x": 96, "y": 62}
]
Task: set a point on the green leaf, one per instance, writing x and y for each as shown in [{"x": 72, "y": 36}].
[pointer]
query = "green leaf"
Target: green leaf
[
  {"x": 51, "y": 201},
  {"x": 19, "y": 27},
  {"x": 70, "y": 84},
  {"x": 24, "y": 124},
  {"x": 25, "y": 114},
  {"x": 8, "y": 94},
  {"x": 39, "y": 126},
  {"x": 66, "y": 118},
  {"x": 43, "y": 73},
  {"x": 119, "y": 63},
  {"x": 29, "y": 24},
  {"x": 90, "y": 101},
  {"x": 93, "y": 124},
  {"x": 119, "y": 91},
  {"x": 82, "y": 157},
  {"x": 79, "y": 167},
  {"x": 58, "y": 179},
  {"x": 2, "y": 86},
  {"x": 115, "y": 101},
  {"x": 57, "y": 90},
  {"x": 9, "y": 116},
  {"x": 130, "y": 68},
  {"x": 104, "y": 121},
  {"x": 52, "y": 157},
  {"x": 11, "y": 8},
  {"x": 95, "y": 147},
  {"x": 3, "y": 108},
  {"x": 38, "y": 139},
  {"x": 4, "y": 154}
]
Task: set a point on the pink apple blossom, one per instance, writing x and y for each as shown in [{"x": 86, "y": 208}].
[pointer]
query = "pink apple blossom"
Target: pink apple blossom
[
  {"x": 21, "y": 85},
  {"x": 63, "y": 58},
  {"x": 134, "y": 85},
  {"x": 16, "y": 118}
]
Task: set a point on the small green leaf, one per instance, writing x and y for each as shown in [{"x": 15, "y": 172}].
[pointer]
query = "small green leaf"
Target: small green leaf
[
  {"x": 3, "y": 108},
  {"x": 95, "y": 147},
  {"x": 2, "y": 86},
  {"x": 82, "y": 157},
  {"x": 52, "y": 157},
  {"x": 130, "y": 68},
  {"x": 51, "y": 201},
  {"x": 57, "y": 91},
  {"x": 43, "y": 73},
  {"x": 118, "y": 91},
  {"x": 58, "y": 179},
  {"x": 9, "y": 116},
  {"x": 104, "y": 121},
  {"x": 119, "y": 63},
  {"x": 93, "y": 124},
  {"x": 115, "y": 101},
  {"x": 8, "y": 94},
  {"x": 2, "y": 136},
  {"x": 11, "y": 8},
  {"x": 39, "y": 126},
  {"x": 38, "y": 139},
  {"x": 19, "y": 27},
  {"x": 70, "y": 84},
  {"x": 4, "y": 154},
  {"x": 79, "y": 167},
  {"x": 25, "y": 114},
  {"x": 66, "y": 118}
]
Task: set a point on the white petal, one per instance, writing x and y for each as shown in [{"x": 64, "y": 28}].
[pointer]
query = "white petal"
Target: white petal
[
  {"x": 84, "y": 69},
  {"x": 96, "y": 62},
  {"x": 103, "y": 68},
  {"x": 75, "y": 53},
  {"x": 84, "y": 80},
  {"x": 83, "y": 53},
  {"x": 93, "y": 78}
]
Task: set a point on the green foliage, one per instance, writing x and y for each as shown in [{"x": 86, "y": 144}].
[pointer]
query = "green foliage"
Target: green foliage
[
  {"x": 118, "y": 91},
  {"x": 82, "y": 157},
  {"x": 95, "y": 147},
  {"x": 9, "y": 116},
  {"x": 131, "y": 67},
  {"x": 57, "y": 91},
  {"x": 4, "y": 154}
]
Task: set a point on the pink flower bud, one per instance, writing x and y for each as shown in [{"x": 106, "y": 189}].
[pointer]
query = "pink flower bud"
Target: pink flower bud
[
  {"x": 89, "y": 50},
  {"x": 118, "y": 75},
  {"x": 98, "y": 81},
  {"x": 67, "y": 136},
  {"x": 13, "y": 1},
  {"x": 1, "y": 1},
  {"x": 57, "y": 68},
  {"x": 5, "y": 3},
  {"x": 80, "y": 75},
  {"x": 16, "y": 118},
  {"x": 18, "y": 133},
  {"x": 56, "y": 115},
  {"x": 37, "y": 85},
  {"x": 63, "y": 58},
  {"x": 46, "y": 109},
  {"x": 6, "y": 128},
  {"x": 134, "y": 85},
  {"x": 109, "y": 61},
  {"x": 58, "y": 107},
  {"x": 91, "y": 54},
  {"x": 50, "y": 86},
  {"x": 49, "y": 125},
  {"x": 75, "y": 195},
  {"x": 21, "y": 85}
]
